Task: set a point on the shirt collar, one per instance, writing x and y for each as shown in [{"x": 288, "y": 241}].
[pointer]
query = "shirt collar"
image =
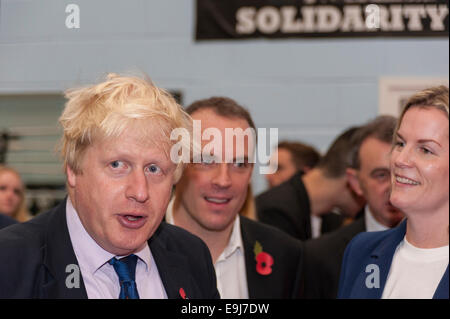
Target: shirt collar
[
  {"x": 371, "y": 223},
  {"x": 87, "y": 250},
  {"x": 235, "y": 242}
]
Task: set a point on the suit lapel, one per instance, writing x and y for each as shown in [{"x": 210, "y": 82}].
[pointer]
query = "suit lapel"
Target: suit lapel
[
  {"x": 58, "y": 255},
  {"x": 170, "y": 268},
  {"x": 252, "y": 276},
  {"x": 256, "y": 286},
  {"x": 382, "y": 257}
]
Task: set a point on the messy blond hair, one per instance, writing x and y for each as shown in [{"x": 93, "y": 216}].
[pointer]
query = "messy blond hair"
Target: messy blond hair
[{"x": 107, "y": 109}]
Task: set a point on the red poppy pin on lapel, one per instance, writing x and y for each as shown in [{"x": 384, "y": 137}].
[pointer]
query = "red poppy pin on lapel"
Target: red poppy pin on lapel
[
  {"x": 182, "y": 293},
  {"x": 264, "y": 261}
]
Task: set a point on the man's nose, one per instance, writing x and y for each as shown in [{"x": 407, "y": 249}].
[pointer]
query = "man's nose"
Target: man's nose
[
  {"x": 138, "y": 188},
  {"x": 222, "y": 176}
]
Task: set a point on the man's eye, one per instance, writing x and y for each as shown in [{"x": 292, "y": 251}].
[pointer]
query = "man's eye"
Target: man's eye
[
  {"x": 240, "y": 165},
  {"x": 154, "y": 169},
  {"x": 382, "y": 176},
  {"x": 117, "y": 164},
  {"x": 208, "y": 160}
]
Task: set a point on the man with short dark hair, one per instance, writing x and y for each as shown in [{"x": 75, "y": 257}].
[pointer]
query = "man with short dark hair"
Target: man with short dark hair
[
  {"x": 251, "y": 260},
  {"x": 289, "y": 158},
  {"x": 301, "y": 206},
  {"x": 369, "y": 176}
]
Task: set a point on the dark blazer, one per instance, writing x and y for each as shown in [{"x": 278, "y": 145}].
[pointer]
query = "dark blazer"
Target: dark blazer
[
  {"x": 34, "y": 256},
  {"x": 323, "y": 259},
  {"x": 287, "y": 207},
  {"x": 6, "y": 221},
  {"x": 375, "y": 248},
  {"x": 287, "y": 253}
]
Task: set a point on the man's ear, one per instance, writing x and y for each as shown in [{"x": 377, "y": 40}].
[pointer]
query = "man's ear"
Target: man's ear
[
  {"x": 352, "y": 179},
  {"x": 71, "y": 177}
]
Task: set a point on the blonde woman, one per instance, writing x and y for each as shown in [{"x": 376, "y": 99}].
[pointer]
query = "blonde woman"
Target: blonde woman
[
  {"x": 410, "y": 261},
  {"x": 12, "y": 195}
]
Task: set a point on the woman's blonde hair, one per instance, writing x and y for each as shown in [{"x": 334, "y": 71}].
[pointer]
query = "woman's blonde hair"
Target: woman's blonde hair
[
  {"x": 21, "y": 214},
  {"x": 435, "y": 97},
  {"x": 107, "y": 109}
]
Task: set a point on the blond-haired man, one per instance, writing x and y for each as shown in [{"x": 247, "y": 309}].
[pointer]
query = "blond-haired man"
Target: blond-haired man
[{"x": 106, "y": 240}]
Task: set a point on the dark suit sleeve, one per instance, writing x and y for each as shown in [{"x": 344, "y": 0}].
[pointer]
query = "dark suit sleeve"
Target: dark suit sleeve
[
  {"x": 298, "y": 292},
  {"x": 19, "y": 263},
  {"x": 312, "y": 274},
  {"x": 6, "y": 221},
  {"x": 279, "y": 219}
]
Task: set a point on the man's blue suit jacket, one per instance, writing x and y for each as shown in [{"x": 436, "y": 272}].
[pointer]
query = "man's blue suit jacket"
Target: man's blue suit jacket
[{"x": 375, "y": 248}]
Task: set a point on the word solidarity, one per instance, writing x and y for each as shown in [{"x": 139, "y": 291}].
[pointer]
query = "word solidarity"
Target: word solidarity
[{"x": 321, "y": 18}]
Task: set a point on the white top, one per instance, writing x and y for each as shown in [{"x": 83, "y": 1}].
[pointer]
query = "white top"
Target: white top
[
  {"x": 415, "y": 272},
  {"x": 230, "y": 266},
  {"x": 371, "y": 223},
  {"x": 99, "y": 277}
]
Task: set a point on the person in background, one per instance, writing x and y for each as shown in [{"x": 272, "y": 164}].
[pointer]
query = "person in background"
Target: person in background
[
  {"x": 370, "y": 177},
  {"x": 106, "y": 240},
  {"x": 12, "y": 195},
  {"x": 251, "y": 260},
  {"x": 301, "y": 206},
  {"x": 289, "y": 158},
  {"x": 411, "y": 260}
]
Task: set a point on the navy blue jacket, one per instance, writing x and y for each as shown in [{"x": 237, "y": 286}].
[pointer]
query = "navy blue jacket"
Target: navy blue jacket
[
  {"x": 376, "y": 248},
  {"x": 34, "y": 256}
]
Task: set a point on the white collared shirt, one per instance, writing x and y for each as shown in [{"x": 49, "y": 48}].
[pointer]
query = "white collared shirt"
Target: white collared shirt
[
  {"x": 230, "y": 266},
  {"x": 316, "y": 226},
  {"x": 371, "y": 223},
  {"x": 99, "y": 277}
]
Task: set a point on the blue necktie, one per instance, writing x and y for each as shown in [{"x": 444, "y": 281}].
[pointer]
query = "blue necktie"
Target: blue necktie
[{"x": 126, "y": 270}]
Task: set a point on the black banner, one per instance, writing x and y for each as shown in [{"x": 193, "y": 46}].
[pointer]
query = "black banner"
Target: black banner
[{"x": 243, "y": 19}]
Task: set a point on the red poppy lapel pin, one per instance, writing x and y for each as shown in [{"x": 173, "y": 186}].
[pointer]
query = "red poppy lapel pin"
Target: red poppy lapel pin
[
  {"x": 182, "y": 293},
  {"x": 264, "y": 261}
]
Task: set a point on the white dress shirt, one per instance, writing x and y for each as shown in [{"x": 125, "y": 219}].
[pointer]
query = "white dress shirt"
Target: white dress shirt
[
  {"x": 316, "y": 226},
  {"x": 371, "y": 223},
  {"x": 230, "y": 266},
  {"x": 99, "y": 277}
]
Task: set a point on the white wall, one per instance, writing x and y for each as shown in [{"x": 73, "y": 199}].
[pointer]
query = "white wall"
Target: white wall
[{"x": 310, "y": 89}]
